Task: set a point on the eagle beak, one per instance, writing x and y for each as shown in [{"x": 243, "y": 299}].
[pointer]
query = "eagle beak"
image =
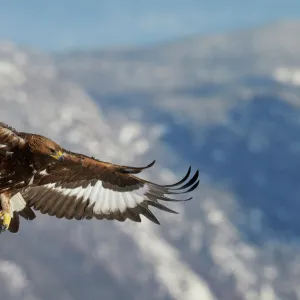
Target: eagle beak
[{"x": 58, "y": 155}]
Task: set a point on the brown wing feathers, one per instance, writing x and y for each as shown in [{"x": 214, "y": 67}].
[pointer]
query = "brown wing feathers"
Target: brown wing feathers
[
  {"x": 52, "y": 202},
  {"x": 134, "y": 170},
  {"x": 9, "y": 136},
  {"x": 72, "y": 157}
]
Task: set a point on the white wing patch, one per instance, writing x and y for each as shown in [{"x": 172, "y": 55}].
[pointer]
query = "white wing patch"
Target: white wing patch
[
  {"x": 17, "y": 203},
  {"x": 104, "y": 200}
]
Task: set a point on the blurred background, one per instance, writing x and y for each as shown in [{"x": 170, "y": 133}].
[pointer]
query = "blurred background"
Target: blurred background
[{"x": 208, "y": 83}]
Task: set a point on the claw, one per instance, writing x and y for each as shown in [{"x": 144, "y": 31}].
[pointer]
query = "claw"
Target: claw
[
  {"x": 3, "y": 228},
  {"x": 6, "y": 221}
]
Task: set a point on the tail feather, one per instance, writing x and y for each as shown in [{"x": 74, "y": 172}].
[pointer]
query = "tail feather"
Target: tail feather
[
  {"x": 27, "y": 213},
  {"x": 14, "y": 223}
]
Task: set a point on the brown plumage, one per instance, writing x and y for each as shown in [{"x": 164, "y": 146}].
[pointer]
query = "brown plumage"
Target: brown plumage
[{"x": 35, "y": 172}]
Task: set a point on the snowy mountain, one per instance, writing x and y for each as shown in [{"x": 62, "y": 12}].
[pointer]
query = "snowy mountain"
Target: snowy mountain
[{"x": 227, "y": 105}]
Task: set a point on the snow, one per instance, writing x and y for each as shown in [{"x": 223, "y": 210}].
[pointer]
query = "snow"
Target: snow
[
  {"x": 180, "y": 280},
  {"x": 287, "y": 75},
  {"x": 207, "y": 250}
]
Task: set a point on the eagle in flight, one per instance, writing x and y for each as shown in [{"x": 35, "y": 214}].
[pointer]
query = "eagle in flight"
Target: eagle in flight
[{"x": 36, "y": 173}]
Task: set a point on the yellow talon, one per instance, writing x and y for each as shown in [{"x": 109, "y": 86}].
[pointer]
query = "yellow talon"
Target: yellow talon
[{"x": 6, "y": 220}]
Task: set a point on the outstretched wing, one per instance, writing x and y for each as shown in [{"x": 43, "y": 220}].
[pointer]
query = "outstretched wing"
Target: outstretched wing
[
  {"x": 82, "y": 188},
  {"x": 9, "y": 137}
]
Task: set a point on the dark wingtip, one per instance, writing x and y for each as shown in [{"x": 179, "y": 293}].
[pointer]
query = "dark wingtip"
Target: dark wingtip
[
  {"x": 190, "y": 182},
  {"x": 193, "y": 187},
  {"x": 144, "y": 210},
  {"x": 151, "y": 164},
  {"x": 190, "y": 186},
  {"x": 157, "y": 222},
  {"x": 147, "y": 166},
  {"x": 162, "y": 207},
  {"x": 189, "y": 199},
  {"x": 163, "y": 198},
  {"x": 182, "y": 180},
  {"x": 136, "y": 170}
]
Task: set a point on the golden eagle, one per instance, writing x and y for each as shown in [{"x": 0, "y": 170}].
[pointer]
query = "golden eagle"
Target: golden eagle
[{"x": 35, "y": 172}]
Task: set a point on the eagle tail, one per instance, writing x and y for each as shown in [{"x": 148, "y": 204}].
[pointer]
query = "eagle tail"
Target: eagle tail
[
  {"x": 14, "y": 223},
  {"x": 27, "y": 213}
]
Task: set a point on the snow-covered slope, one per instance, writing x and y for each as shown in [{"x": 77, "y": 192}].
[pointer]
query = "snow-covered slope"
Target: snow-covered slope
[
  {"x": 52, "y": 259},
  {"x": 202, "y": 102}
]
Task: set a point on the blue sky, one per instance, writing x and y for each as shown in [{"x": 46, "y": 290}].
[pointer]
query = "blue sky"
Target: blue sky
[{"x": 60, "y": 25}]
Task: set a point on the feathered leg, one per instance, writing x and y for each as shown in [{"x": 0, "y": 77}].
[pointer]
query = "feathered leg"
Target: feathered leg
[{"x": 5, "y": 212}]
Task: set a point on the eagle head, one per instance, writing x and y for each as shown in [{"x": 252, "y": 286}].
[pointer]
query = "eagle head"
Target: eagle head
[{"x": 45, "y": 146}]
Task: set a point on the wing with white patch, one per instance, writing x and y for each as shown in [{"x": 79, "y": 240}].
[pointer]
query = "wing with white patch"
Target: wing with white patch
[{"x": 110, "y": 196}]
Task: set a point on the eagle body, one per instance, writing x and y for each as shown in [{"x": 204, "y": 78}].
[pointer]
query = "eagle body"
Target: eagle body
[
  {"x": 18, "y": 166},
  {"x": 38, "y": 174}
]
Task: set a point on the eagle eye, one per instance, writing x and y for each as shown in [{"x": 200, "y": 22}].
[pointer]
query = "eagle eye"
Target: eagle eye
[{"x": 52, "y": 150}]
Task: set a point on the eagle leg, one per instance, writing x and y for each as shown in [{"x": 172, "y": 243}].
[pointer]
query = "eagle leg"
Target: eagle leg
[{"x": 5, "y": 212}]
